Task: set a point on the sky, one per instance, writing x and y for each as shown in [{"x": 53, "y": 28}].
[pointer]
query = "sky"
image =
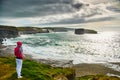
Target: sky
[
  {"x": 51, "y": 12},
  {"x": 27, "y": 12}
]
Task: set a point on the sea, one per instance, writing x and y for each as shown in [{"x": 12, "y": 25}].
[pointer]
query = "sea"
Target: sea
[{"x": 86, "y": 48}]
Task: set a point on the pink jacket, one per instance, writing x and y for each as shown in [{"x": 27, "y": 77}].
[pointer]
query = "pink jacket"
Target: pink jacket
[{"x": 18, "y": 52}]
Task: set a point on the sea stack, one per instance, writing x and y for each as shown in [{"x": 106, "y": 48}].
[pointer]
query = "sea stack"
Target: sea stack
[{"x": 83, "y": 31}]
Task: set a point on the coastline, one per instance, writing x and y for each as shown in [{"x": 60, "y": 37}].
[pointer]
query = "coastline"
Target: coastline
[
  {"x": 82, "y": 69},
  {"x": 94, "y": 69}
]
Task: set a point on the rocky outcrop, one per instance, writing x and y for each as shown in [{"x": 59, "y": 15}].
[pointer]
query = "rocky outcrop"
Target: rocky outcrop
[
  {"x": 79, "y": 31},
  {"x": 56, "y": 63},
  {"x": 90, "y": 31},
  {"x": 83, "y": 31},
  {"x": 7, "y": 32},
  {"x": 7, "y": 51}
]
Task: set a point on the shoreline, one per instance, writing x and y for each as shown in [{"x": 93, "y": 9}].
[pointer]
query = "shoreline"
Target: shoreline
[
  {"x": 94, "y": 69},
  {"x": 81, "y": 69},
  {"x": 9, "y": 51}
]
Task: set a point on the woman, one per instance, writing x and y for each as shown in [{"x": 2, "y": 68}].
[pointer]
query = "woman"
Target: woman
[{"x": 18, "y": 51}]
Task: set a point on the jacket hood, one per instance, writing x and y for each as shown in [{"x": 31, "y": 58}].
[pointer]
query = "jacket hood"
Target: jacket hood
[{"x": 19, "y": 43}]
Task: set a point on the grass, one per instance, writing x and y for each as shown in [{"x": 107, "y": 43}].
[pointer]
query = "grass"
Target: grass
[
  {"x": 10, "y": 28},
  {"x": 29, "y": 29},
  {"x": 32, "y": 70}
]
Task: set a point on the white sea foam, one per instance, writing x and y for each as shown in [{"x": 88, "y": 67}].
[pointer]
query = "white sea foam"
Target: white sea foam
[
  {"x": 109, "y": 74},
  {"x": 113, "y": 66},
  {"x": 8, "y": 42}
]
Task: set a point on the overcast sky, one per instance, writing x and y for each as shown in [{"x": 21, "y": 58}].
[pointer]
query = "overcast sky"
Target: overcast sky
[
  {"x": 39, "y": 12},
  {"x": 27, "y": 11}
]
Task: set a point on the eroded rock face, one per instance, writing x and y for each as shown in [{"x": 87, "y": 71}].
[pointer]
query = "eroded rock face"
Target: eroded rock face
[
  {"x": 83, "y": 31},
  {"x": 6, "y": 51},
  {"x": 7, "y": 32},
  {"x": 79, "y": 31}
]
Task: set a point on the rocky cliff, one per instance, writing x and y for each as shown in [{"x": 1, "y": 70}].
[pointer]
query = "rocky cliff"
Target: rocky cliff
[
  {"x": 83, "y": 31},
  {"x": 7, "y": 32}
]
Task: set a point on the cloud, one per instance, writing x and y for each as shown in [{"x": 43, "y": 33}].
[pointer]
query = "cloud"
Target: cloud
[
  {"x": 26, "y": 12},
  {"x": 33, "y": 12},
  {"x": 15, "y": 21},
  {"x": 28, "y": 8}
]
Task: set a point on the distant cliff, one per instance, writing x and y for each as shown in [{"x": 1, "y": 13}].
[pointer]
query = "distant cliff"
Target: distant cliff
[
  {"x": 83, "y": 31},
  {"x": 7, "y": 32},
  {"x": 31, "y": 30},
  {"x": 57, "y": 29}
]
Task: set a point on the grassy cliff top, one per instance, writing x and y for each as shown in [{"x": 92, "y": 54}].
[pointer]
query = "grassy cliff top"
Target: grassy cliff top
[
  {"x": 28, "y": 29},
  {"x": 31, "y": 70},
  {"x": 3, "y": 27}
]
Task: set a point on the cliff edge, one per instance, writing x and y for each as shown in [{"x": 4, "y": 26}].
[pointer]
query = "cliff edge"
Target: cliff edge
[{"x": 7, "y": 32}]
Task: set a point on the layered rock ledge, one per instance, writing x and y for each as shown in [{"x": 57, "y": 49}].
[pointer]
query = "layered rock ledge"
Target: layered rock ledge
[{"x": 83, "y": 31}]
